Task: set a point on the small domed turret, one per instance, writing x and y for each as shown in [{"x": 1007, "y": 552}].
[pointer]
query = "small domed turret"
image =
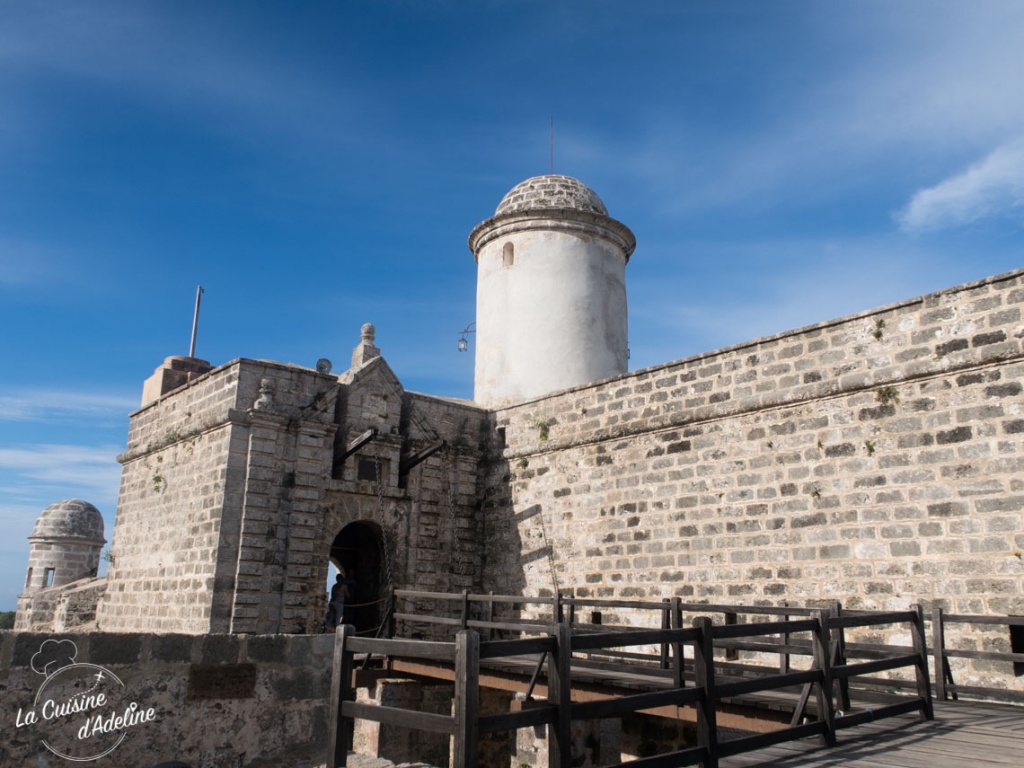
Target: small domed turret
[
  {"x": 65, "y": 545},
  {"x": 551, "y": 192}
]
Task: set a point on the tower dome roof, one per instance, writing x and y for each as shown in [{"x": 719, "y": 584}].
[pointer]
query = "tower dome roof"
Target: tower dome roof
[
  {"x": 72, "y": 518},
  {"x": 552, "y": 192}
]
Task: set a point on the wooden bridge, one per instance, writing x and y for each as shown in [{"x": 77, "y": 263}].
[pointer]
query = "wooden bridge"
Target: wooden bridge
[
  {"x": 962, "y": 735},
  {"x": 747, "y": 710}
]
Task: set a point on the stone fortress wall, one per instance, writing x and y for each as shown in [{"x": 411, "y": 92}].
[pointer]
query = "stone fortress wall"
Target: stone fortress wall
[
  {"x": 219, "y": 700},
  {"x": 876, "y": 459},
  {"x": 178, "y": 507},
  {"x": 235, "y": 487}
]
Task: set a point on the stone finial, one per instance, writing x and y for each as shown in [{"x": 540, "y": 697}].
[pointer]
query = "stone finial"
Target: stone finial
[
  {"x": 266, "y": 397},
  {"x": 365, "y": 350}
]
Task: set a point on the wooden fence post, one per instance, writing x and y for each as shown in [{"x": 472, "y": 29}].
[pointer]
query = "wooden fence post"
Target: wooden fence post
[
  {"x": 821, "y": 642},
  {"x": 924, "y": 687},
  {"x": 704, "y": 670},
  {"x": 465, "y": 609},
  {"x": 731, "y": 654},
  {"x": 560, "y": 695},
  {"x": 490, "y": 615},
  {"x": 467, "y": 699},
  {"x": 678, "y": 661},
  {"x": 939, "y": 652},
  {"x": 838, "y": 657},
  {"x": 666, "y": 623},
  {"x": 339, "y": 735},
  {"x": 784, "y": 662}
]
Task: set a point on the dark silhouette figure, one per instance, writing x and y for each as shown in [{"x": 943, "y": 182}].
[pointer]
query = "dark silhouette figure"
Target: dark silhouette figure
[{"x": 336, "y": 610}]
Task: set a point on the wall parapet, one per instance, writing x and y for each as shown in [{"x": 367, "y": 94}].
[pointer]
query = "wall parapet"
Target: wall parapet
[
  {"x": 218, "y": 699},
  {"x": 957, "y": 330}
]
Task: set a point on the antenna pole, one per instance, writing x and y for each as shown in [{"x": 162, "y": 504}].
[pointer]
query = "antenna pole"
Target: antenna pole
[
  {"x": 551, "y": 142},
  {"x": 195, "y": 322}
]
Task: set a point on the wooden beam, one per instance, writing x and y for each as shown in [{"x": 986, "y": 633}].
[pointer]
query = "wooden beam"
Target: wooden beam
[
  {"x": 356, "y": 444},
  {"x": 410, "y": 460},
  {"x": 339, "y": 735},
  {"x": 467, "y": 699}
]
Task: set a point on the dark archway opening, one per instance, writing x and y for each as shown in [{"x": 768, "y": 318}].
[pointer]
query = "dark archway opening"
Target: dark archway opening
[{"x": 358, "y": 551}]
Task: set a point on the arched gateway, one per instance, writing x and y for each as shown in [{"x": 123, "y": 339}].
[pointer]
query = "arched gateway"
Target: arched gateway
[{"x": 358, "y": 550}]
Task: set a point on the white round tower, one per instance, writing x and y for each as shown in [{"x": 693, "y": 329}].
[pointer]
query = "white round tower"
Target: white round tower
[
  {"x": 550, "y": 291},
  {"x": 65, "y": 545}
]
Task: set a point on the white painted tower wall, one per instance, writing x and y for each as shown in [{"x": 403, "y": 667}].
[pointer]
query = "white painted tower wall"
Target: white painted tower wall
[{"x": 551, "y": 298}]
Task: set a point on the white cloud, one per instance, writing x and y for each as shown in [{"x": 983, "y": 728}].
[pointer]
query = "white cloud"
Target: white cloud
[
  {"x": 90, "y": 468},
  {"x": 162, "y": 57},
  {"x": 994, "y": 186},
  {"x": 65, "y": 407}
]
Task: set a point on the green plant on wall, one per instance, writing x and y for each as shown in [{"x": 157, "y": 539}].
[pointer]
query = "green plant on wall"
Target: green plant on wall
[
  {"x": 879, "y": 325},
  {"x": 543, "y": 427},
  {"x": 887, "y": 395}
]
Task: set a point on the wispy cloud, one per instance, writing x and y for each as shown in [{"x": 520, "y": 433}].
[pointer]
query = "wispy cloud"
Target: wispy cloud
[
  {"x": 89, "y": 468},
  {"x": 65, "y": 407},
  {"x": 216, "y": 73},
  {"x": 892, "y": 88},
  {"x": 993, "y": 186}
]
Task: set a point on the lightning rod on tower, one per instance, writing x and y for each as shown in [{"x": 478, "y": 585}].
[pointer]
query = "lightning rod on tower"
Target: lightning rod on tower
[{"x": 195, "y": 322}]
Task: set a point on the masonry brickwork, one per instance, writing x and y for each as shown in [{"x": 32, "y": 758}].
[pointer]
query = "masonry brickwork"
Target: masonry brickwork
[
  {"x": 876, "y": 459},
  {"x": 218, "y": 700},
  {"x": 235, "y": 486}
]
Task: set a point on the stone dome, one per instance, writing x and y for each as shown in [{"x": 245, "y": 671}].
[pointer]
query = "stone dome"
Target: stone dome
[
  {"x": 551, "y": 193},
  {"x": 71, "y": 518}
]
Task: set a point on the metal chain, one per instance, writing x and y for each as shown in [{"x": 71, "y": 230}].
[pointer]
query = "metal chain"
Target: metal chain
[
  {"x": 384, "y": 536},
  {"x": 446, "y": 474}
]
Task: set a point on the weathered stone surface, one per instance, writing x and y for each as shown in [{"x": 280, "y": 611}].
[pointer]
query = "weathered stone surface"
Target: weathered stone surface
[
  {"x": 239, "y": 712},
  {"x": 813, "y": 465}
]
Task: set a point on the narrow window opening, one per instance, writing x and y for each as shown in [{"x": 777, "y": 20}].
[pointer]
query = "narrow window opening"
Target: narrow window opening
[
  {"x": 508, "y": 255},
  {"x": 48, "y": 578},
  {"x": 28, "y": 579},
  {"x": 1017, "y": 646},
  {"x": 367, "y": 470}
]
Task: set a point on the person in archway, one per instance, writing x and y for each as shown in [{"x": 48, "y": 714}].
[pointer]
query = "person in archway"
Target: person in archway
[
  {"x": 349, "y": 582},
  {"x": 336, "y": 607}
]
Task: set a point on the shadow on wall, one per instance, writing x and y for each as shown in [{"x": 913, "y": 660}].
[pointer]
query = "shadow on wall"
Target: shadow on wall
[{"x": 505, "y": 554}]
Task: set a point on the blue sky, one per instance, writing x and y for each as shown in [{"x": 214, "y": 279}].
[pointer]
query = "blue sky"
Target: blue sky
[{"x": 319, "y": 165}]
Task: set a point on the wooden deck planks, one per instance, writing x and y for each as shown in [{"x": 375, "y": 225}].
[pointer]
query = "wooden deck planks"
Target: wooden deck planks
[{"x": 962, "y": 734}]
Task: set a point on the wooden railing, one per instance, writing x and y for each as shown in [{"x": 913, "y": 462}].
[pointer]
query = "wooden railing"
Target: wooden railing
[
  {"x": 498, "y": 615},
  {"x": 945, "y": 686},
  {"x": 698, "y": 643}
]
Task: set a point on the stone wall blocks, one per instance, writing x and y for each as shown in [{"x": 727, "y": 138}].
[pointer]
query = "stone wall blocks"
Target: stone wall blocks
[{"x": 1007, "y": 504}]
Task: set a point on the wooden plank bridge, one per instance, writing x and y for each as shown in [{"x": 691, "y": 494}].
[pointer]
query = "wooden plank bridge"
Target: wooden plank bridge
[
  {"x": 745, "y": 711},
  {"x": 962, "y": 735}
]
